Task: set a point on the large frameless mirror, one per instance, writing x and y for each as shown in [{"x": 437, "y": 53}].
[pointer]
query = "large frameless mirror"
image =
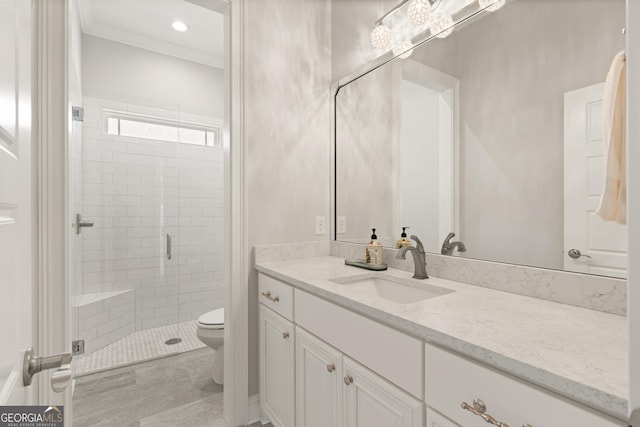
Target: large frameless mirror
[{"x": 494, "y": 133}]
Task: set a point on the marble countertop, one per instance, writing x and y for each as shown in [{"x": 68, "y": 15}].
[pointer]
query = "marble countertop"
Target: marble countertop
[{"x": 581, "y": 354}]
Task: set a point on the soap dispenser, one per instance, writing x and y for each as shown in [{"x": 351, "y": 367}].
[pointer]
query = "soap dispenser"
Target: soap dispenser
[
  {"x": 373, "y": 250},
  {"x": 403, "y": 241}
]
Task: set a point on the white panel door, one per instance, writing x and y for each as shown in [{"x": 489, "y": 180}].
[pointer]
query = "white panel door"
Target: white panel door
[
  {"x": 318, "y": 382},
  {"x": 602, "y": 244},
  {"x": 277, "y": 356},
  {"x": 16, "y": 313},
  {"x": 371, "y": 401}
]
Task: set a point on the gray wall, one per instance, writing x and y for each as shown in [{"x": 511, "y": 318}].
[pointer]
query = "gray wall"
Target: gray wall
[
  {"x": 114, "y": 70},
  {"x": 288, "y": 129}
]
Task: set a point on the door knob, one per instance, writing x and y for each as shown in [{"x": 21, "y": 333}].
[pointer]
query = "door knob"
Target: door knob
[
  {"x": 32, "y": 364},
  {"x": 575, "y": 254}
]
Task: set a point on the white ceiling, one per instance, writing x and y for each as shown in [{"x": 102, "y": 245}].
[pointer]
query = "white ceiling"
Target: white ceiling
[{"x": 147, "y": 24}]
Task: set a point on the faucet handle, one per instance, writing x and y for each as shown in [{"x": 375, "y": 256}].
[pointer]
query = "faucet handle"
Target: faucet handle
[
  {"x": 449, "y": 237},
  {"x": 419, "y": 245}
]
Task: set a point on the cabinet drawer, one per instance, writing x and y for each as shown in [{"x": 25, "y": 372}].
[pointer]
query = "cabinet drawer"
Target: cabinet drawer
[
  {"x": 390, "y": 353},
  {"x": 451, "y": 379},
  {"x": 276, "y": 295}
]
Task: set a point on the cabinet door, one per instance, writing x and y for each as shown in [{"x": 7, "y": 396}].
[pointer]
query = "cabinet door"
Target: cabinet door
[
  {"x": 318, "y": 382},
  {"x": 277, "y": 355},
  {"x": 371, "y": 401},
  {"x": 434, "y": 419}
]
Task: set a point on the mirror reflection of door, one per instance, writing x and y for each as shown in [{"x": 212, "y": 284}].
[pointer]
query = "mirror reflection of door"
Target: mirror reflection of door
[
  {"x": 602, "y": 245},
  {"x": 426, "y": 153}
]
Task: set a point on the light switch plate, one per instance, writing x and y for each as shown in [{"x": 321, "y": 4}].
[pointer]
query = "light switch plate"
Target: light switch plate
[
  {"x": 341, "y": 224},
  {"x": 320, "y": 225}
]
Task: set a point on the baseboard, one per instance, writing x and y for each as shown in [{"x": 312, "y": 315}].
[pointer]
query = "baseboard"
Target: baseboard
[{"x": 255, "y": 413}]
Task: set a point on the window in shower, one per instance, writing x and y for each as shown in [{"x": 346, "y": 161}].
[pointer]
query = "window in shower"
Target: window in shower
[{"x": 123, "y": 124}]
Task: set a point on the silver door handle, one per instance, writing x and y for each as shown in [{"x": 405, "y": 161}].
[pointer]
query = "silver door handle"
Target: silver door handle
[
  {"x": 168, "y": 245},
  {"x": 32, "y": 364},
  {"x": 82, "y": 223},
  {"x": 575, "y": 254}
]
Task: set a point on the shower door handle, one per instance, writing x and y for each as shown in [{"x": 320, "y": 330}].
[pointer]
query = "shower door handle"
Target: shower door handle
[
  {"x": 82, "y": 223},
  {"x": 168, "y": 245}
]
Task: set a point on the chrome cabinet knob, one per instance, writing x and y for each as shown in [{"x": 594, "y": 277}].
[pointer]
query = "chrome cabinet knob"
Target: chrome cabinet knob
[
  {"x": 575, "y": 254},
  {"x": 348, "y": 379},
  {"x": 285, "y": 335},
  {"x": 331, "y": 367}
]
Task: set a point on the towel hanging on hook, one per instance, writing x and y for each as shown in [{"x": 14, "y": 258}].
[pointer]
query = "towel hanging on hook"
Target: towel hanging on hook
[{"x": 613, "y": 203}]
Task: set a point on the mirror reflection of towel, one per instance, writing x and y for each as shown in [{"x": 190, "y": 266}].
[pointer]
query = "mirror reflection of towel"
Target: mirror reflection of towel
[{"x": 613, "y": 203}]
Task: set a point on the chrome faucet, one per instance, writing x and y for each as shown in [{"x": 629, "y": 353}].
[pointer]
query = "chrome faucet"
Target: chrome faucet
[
  {"x": 419, "y": 260},
  {"x": 448, "y": 246}
]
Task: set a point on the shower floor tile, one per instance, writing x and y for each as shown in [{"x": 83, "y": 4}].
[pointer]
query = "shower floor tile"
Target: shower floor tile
[{"x": 140, "y": 346}]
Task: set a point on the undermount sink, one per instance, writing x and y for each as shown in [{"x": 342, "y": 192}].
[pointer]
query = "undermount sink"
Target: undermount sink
[{"x": 403, "y": 291}]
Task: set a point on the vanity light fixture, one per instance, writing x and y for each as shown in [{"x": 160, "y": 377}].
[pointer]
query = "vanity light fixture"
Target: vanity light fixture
[
  {"x": 381, "y": 36},
  {"x": 403, "y": 49},
  {"x": 179, "y": 26},
  {"x": 442, "y": 26},
  {"x": 491, "y": 5},
  {"x": 419, "y": 12}
]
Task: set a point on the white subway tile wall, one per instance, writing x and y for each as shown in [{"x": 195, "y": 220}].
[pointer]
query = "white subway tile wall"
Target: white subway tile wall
[
  {"x": 105, "y": 317},
  {"x": 138, "y": 190}
]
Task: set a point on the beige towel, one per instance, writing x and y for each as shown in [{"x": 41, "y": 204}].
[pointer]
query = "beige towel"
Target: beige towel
[{"x": 613, "y": 204}]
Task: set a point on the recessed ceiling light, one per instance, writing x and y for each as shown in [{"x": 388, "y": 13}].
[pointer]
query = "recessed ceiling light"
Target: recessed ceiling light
[{"x": 179, "y": 26}]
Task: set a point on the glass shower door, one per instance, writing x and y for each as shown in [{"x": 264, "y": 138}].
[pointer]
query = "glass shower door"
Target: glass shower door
[
  {"x": 201, "y": 232},
  {"x": 126, "y": 296}
]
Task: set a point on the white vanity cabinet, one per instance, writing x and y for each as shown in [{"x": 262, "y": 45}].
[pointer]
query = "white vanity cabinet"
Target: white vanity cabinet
[
  {"x": 333, "y": 390},
  {"x": 318, "y": 382},
  {"x": 451, "y": 379},
  {"x": 307, "y": 380},
  {"x": 370, "y": 401},
  {"x": 277, "y": 352},
  {"x": 369, "y": 396}
]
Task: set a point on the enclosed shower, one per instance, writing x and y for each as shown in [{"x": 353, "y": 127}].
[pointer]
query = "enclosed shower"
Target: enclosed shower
[{"x": 149, "y": 248}]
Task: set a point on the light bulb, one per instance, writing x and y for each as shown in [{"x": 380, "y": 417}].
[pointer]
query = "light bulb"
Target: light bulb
[
  {"x": 419, "y": 12},
  {"x": 491, "y": 5},
  {"x": 381, "y": 37},
  {"x": 180, "y": 26},
  {"x": 442, "y": 26},
  {"x": 403, "y": 49}
]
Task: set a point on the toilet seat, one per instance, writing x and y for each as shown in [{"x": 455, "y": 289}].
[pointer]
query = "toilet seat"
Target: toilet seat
[{"x": 212, "y": 320}]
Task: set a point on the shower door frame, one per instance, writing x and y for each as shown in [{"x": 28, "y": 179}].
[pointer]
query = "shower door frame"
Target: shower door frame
[{"x": 52, "y": 279}]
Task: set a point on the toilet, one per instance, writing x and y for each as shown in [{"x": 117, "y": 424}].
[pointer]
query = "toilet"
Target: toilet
[{"x": 211, "y": 332}]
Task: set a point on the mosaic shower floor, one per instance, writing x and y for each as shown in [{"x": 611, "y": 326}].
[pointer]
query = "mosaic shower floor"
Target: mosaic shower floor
[{"x": 140, "y": 346}]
